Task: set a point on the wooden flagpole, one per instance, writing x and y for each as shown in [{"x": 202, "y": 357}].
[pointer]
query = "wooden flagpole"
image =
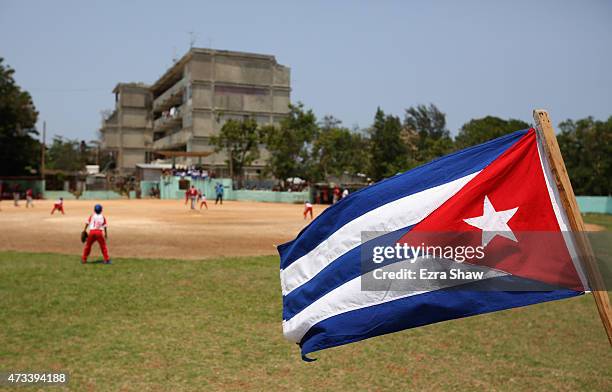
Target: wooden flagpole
[{"x": 568, "y": 199}]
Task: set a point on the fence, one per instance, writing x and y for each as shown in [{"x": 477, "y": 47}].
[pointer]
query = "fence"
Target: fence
[
  {"x": 596, "y": 204},
  {"x": 272, "y": 197},
  {"x": 146, "y": 187},
  {"x": 8, "y": 186},
  {"x": 169, "y": 189}
]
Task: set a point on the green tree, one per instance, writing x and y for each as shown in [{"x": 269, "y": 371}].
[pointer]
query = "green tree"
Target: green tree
[
  {"x": 19, "y": 150},
  {"x": 290, "y": 145},
  {"x": 426, "y": 134},
  {"x": 338, "y": 150},
  {"x": 240, "y": 141},
  {"x": 388, "y": 151},
  {"x": 483, "y": 129},
  {"x": 68, "y": 154},
  {"x": 427, "y": 121},
  {"x": 586, "y": 146}
]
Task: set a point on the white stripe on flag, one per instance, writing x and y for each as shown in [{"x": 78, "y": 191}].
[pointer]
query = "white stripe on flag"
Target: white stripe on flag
[
  {"x": 392, "y": 216},
  {"x": 560, "y": 214},
  {"x": 350, "y": 296},
  {"x": 347, "y": 297}
]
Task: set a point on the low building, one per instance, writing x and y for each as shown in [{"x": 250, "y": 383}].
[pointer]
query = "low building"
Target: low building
[{"x": 189, "y": 104}]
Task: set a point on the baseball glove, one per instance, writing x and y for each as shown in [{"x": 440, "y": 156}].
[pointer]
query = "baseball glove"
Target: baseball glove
[{"x": 83, "y": 236}]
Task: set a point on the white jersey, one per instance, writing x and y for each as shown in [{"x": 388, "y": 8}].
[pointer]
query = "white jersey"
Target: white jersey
[
  {"x": 59, "y": 202},
  {"x": 307, "y": 205},
  {"x": 96, "y": 222}
]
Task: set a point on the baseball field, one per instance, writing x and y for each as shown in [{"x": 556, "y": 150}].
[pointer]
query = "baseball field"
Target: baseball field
[
  {"x": 155, "y": 228},
  {"x": 192, "y": 302}
]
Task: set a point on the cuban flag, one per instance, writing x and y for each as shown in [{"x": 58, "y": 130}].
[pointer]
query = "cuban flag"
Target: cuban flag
[{"x": 498, "y": 193}]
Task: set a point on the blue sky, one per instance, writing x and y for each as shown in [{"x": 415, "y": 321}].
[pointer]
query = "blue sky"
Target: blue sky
[{"x": 470, "y": 58}]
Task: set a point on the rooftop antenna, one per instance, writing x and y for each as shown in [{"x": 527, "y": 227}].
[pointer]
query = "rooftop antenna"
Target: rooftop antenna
[
  {"x": 192, "y": 38},
  {"x": 174, "y": 59}
]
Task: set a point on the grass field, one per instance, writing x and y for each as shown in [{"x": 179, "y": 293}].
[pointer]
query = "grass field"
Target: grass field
[
  {"x": 200, "y": 325},
  {"x": 599, "y": 219}
]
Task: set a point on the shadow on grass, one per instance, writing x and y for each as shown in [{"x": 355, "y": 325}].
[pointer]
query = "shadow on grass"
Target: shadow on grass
[{"x": 95, "y": 262}]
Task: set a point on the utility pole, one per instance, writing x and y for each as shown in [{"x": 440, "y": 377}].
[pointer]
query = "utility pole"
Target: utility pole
[{"x": 42, "y": 151}]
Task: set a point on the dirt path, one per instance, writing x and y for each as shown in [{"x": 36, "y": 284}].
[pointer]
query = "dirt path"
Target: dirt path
[
  {"x": 155, "y": 228},
  {"x": 593, "y": 227}
]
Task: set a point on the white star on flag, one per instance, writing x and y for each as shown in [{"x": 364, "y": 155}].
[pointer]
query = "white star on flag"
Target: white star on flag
[{"x": 493, "y": 222}]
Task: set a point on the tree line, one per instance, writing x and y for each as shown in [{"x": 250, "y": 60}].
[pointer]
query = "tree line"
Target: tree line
[{"x": 303, "y": 146}]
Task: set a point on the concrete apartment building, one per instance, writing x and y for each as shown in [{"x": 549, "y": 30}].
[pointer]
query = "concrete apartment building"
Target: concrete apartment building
[
  {"x": 127, "y": 133},
  {"x": 190, "y": 103}
]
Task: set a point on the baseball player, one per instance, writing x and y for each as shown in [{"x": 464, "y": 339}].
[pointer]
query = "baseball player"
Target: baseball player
[
  {"x": 97, "y": 233},
  {"x": 29, "y": 197},
  {"x": 192, "y": 195},
  {"x": 202, "y": 198},
  {"x": 58, "y": 205},
  {"x": 307, "y": 209},
  {"x": 336, "y": 194},
  {"x": 16, "y": 195},
  {"x": 219, "y": 191}
]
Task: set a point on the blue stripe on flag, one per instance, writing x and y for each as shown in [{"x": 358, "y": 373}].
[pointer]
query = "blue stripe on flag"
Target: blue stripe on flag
[
  {"x": 344, "y": 268},
  {"x": 434, "y": 173},
  {"x": 435, "y": 306}
]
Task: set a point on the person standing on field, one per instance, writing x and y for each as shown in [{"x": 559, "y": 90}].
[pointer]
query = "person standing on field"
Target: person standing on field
[
  {"x": 16, "y": 195},
  {"x": 307, "y": 209},
  {"x": 58, "y": 205},
  {"x": 29, "y": 197},
  {"x": 336, "y": 194},
  {"x": 193, "y": 196},
  {"x": 97, "y": 233},
  {"x": 202, "y": 197},
  {"x": 219, "y": 192}
]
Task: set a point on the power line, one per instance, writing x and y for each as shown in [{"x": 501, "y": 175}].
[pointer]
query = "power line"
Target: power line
[{"x": 68, "y": 90}]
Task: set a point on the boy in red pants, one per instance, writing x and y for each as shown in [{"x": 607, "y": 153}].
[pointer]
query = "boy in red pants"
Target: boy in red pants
[
  {"x": 307, "y": 209},
  {"x": 97, "y": 233},
  {"x": 58, "y": 205},
  {"x": 202, "y": 197}
]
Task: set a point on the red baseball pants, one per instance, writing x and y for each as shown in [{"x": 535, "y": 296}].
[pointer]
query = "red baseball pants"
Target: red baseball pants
[
  {"x": 95, "y": 235},
  {"x": 306, "y": 211},
  {"x": 57, "y": 207}
]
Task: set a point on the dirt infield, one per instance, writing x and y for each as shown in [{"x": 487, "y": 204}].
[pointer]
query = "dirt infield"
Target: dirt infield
[{"x": 155, "y": 228}]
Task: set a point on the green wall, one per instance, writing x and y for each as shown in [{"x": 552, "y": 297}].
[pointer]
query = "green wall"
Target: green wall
[
  {"x": 272, "y": 197},
  {"x": 87, "y": 195},
  {"x": 169, "y": 189},
  {"x": 54, "y": 195},
  {"x": 145, "y": 188},
  {"x": 597, "y": 204},
  {"x": 38, "y": 186}
]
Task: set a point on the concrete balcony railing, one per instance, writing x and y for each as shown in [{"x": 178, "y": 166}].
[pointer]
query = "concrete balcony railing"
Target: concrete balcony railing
[
  {"x": 173, "y": 140},
  {"x": 168, "y": 120},
  {"x": 171, "y": 97}
]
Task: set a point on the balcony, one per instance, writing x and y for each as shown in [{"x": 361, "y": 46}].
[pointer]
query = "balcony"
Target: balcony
[
  {"x": 169, "y": 119},
  {"x": 173, "y": 140},
  {"x": 171, "y": 97}
]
